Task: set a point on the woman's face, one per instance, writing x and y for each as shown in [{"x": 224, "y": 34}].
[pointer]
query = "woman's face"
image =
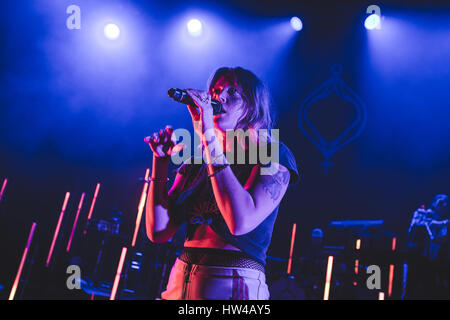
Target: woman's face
[{"x": 229, "y": 93}]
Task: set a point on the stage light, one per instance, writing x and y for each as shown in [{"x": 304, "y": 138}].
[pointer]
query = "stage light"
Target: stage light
[
  {"x": 194, "y": 27},
  {"x": 140, "y": 208},
  {"x": 72, "y": 233},
  {"x": 118, "y": 274},
  {"x": 296, "y": 23},
  {"x": 394, "y": 243},
  {"x": 391, "y": 279},
  {"x": 372, "y": 22},
  {"x": 58, "y": 227},
  {"x": 326, "y": 293},
  {"x": 22, "y": 263},
  {"x": 294, "y": 229},
  {"x": 111, "y": 31},
  {"x": 97, "y": 188}
]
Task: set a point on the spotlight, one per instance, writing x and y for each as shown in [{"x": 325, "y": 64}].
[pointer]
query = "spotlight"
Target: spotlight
[
  {"x": 111, "y": 31},
  {"x": 194, "y": 27},
  {"x": 296, "y": 23},
  {"x": 372, "y": 22}
]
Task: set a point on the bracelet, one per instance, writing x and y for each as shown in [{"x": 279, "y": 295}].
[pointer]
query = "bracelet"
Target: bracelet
[
  {"x": 157, "y": 180},
  {"x": 218, "y": 169}
]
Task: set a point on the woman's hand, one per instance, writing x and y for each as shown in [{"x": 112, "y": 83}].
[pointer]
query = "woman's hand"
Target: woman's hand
[
  {"x": 163, "y": 143},
  {"x": 202, "y": 119}
]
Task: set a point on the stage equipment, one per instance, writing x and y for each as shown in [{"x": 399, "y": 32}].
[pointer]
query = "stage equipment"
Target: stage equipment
[
  {"x": 111, "y": 31},
  {"x": 373, "y": 21},
  {"x": 58, "y": 226},
  {"x": 109, "y": 227},
  {"x": 100, "y": 246},
  {"x": 22, "y": 262},
  {"x": 118, "y": 274},
  {"x": 94, "y": 199},
  {"x": 287, "y": 287},
  {"x": 356, "y": 223},
  {"x": 294, "y": 229},
  {"x": 194, "y": 27},
  {"x": 367, "y": 243},
  {"x": 326, "y": 293},
  {"x": 394, "y": 243},
  {"x": 2, "y": 191},
  {"x": 140, "y": 208},
  {"x": 296, "y": 23},
  {"x": 80, "y": 204}
]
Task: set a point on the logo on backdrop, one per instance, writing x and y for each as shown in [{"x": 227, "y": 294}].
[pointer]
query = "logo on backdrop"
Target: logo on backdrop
[{"x": 334, "y": 85}]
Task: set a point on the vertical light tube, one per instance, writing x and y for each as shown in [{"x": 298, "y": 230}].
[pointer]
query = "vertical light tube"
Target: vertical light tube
[
  {"x": 97, "y": 188},
  {"x": 58, "y": 226},
  {"x": 391, "y": 268},
  {"x": 80, "y": 204},
  {"x": 355, "y": 283},
  {"x": 391, "y": 279},
  {"x": 291, "y": 251},
  {"x": 118, "y": 274},
  {"x": 140, "y": 208},
  {"x": 2, "y": 191},
  {"x": 381, "y": 295},
  {"x": 22, "y": 262},
  {"x": 357, "y": 247},
  {"x": 404, "y": 279},
  {"x": 326, "y": 293}
]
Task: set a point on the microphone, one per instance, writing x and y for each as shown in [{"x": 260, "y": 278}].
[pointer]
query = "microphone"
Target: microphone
[{"x": 182, "y": 96}]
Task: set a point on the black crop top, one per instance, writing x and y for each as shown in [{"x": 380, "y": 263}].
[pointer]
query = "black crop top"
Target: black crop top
[{"x": 196, "y": 205}]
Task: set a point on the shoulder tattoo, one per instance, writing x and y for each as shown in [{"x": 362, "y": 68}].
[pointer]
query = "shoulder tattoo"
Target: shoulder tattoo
[{"x": 273, "y": 184}]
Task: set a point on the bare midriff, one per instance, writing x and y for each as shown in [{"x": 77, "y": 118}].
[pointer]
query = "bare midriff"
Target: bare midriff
[{"x": 205, "y": 237}]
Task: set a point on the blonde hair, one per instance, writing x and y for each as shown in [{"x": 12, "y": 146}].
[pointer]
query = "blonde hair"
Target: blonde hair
[{"x": 257, "y": 106}]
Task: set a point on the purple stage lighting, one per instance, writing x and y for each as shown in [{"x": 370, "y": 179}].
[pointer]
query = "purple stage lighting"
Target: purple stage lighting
[
  {"x": 194, "y": 27},
  {"x": 296, "y": 23},
  {"x": 111, "y": 31}
]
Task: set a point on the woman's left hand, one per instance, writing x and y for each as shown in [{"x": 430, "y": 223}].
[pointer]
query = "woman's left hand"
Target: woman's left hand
[{"x": 202, "y": 118}]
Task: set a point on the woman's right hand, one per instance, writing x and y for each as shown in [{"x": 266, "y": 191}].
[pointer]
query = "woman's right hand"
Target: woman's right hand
[{"x": 163, "y": 143}]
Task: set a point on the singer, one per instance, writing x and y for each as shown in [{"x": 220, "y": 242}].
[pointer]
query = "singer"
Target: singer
[{"x": 230, "y": 208}]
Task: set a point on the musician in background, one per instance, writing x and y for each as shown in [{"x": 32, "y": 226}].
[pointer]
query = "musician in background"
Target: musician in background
[{"x": 428, "y": 252}]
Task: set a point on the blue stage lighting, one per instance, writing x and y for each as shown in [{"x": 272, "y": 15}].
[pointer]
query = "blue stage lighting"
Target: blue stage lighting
[
  {"x": 296, "y": 23},
  {"x": 194, "y": 27},
  {"x": 111, "y": 31},
  {"x": 372, "y": 22}
]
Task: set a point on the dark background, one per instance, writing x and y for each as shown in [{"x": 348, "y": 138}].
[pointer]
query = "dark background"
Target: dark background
[{"x": 74, "y": 108}]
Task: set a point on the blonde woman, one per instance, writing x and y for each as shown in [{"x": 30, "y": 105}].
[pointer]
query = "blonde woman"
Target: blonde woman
[{"x": 230, "y": 208}]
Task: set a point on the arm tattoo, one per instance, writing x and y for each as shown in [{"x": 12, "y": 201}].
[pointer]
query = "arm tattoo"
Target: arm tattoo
[{"x": 274, "y": 183}]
